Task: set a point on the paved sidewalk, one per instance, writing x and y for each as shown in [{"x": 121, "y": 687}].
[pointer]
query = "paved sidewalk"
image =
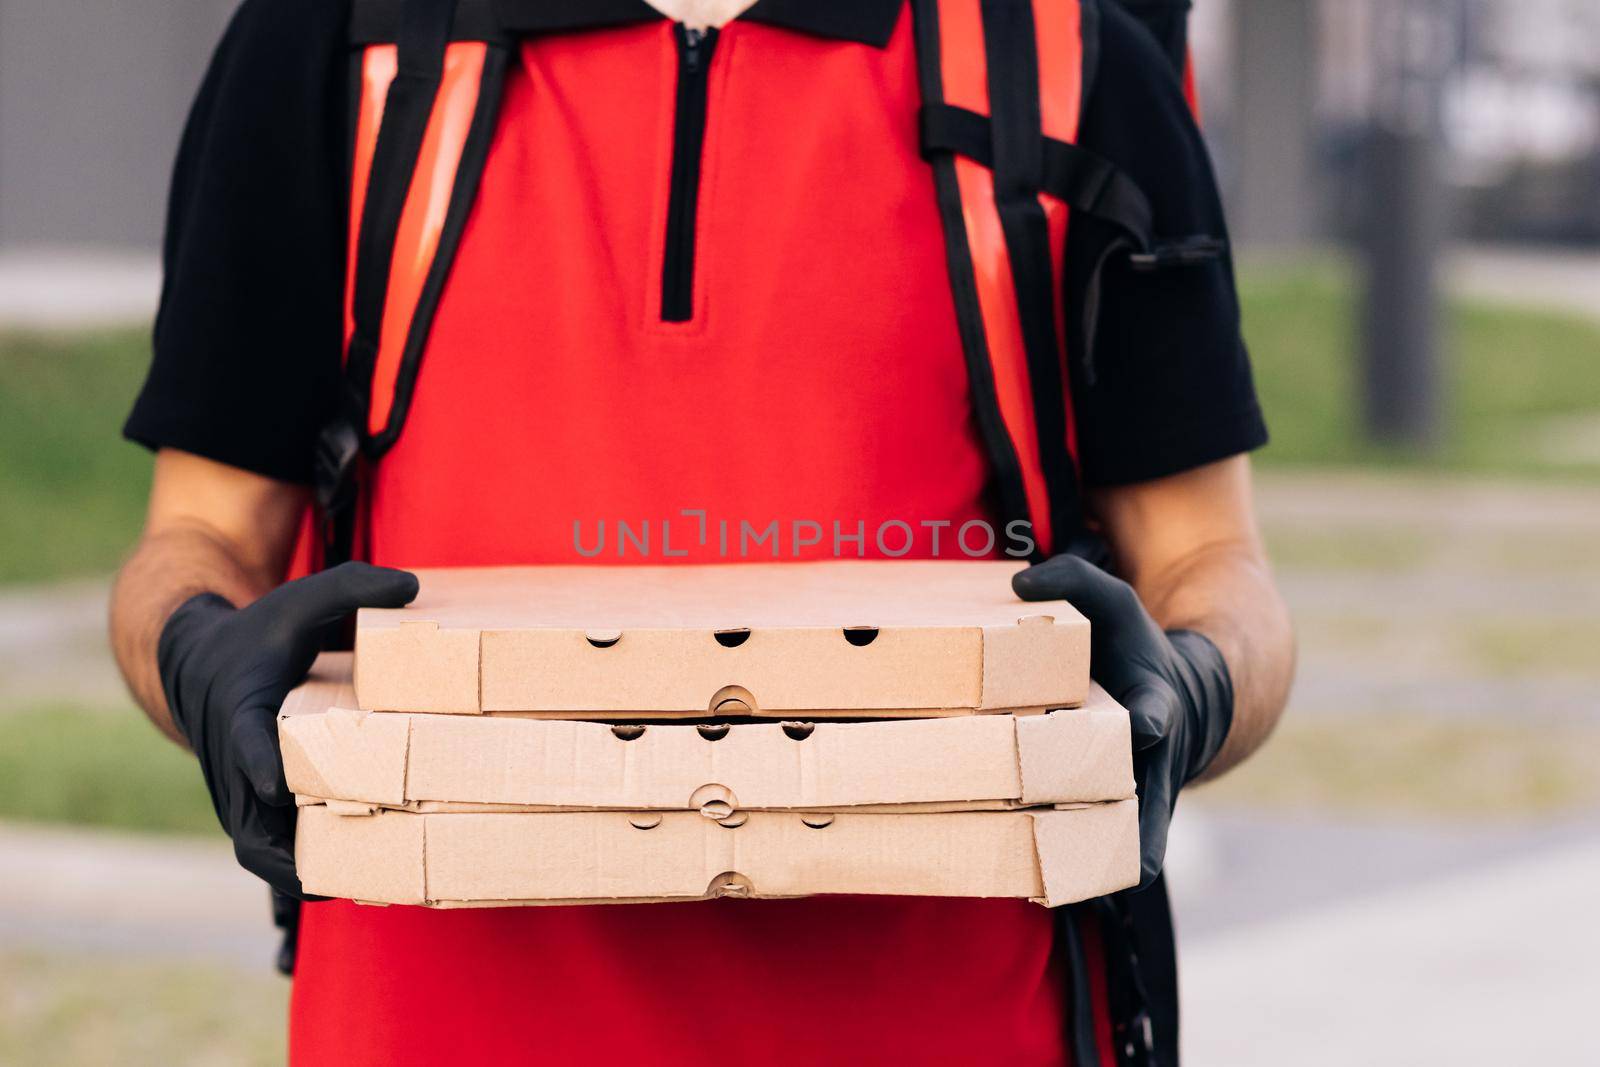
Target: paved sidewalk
[
  {"x": 130, "y": 895},
  {"x": 1488, "y": 967},
  {"x": 54, "y": 648},
  {"x": 1427, "y": 595},
  {"x": 1527, "y": 276},
  {"x": 77, "y": 288}
]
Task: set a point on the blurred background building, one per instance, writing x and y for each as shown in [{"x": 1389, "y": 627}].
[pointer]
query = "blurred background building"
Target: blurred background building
[
  {"x": 92, "y": 99},
  {"x": 1520, "y": 124},
  {"x": 1404, "y": 875},
  {"x": 1296, "y": 83}
]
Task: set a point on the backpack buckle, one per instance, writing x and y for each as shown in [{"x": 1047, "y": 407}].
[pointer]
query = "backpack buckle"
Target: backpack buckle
[
  {"x": 1138, "y": 1038},
  {"x": 333, "y": 466},
  {"x": 1188, "y": 252}
]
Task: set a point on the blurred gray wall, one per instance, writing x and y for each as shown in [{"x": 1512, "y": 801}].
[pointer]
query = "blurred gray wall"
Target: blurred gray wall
[
  {"x": 1274, "y": 199},
  {"x": 93, "y": 94}
]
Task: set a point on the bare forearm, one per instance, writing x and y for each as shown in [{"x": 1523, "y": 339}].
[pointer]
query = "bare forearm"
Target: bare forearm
[
  {"x": 1226, "y": 592},
  {"x": 211, "y": 528},
  {"x": 1190, "y": 545},
  {"x": 165, "y": 570}
]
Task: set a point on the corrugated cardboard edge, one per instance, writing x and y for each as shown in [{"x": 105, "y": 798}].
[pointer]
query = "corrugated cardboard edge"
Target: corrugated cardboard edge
[
  {"x": 417, "y": 666},
  {"x": 1039, "y": 662},
  {"x": 1078, "y": 853},
  {"x": 367, "y": 857},
  {"x": 327, "y": 685},
  {"x": 461, "y": 807},
  {"x": 614, "y": 715},
  {"x": 1073, "y": 756},
  {"x": 1086, "y": 852},
  {"x": 438, "y": 660},
  {"x": 1033, "y": 662},
  {"x": 348, "y": 755},
  {"x": 1090, "y": 747}
]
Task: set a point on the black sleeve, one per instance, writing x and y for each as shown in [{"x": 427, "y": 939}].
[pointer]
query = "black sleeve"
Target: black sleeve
[
  {"x": 249, "y": 329},
  {"x": 1164, "y": 383}
]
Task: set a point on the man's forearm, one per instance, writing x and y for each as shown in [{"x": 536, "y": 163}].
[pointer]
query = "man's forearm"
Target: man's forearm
[
  {"x": 211, "y": 528},
  {"x": 166, "y": 569},
  {"x": 1226, "y": 592}
]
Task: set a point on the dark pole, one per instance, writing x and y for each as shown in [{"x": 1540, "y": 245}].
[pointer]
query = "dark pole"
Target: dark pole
[{"x": 1405, "y": 223}]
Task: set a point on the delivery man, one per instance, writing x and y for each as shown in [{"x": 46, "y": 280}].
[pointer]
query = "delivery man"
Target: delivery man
[{"x": 617, "y": 261}]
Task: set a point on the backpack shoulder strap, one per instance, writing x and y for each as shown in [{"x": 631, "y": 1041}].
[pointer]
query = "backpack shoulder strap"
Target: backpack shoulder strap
[
  {"x": 1002, "y": 82},
  {"x": 1003, "y": 87},
  {"x": 419, "y": 67},
  {"x": 428, "y": 88}
]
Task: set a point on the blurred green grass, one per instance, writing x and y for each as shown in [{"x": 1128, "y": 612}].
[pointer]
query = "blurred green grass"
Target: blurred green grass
[
  {"x": 1524, "y": 400},
  {"x": 1522, "y": 388},
  {"x": 100, "y": 767},
  {"x": 73, "y": 490},
  {"x": 1403, "y": 763}
]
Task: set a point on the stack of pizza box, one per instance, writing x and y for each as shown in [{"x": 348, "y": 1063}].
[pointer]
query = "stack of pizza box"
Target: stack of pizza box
[{"x": 551, "y": 735}]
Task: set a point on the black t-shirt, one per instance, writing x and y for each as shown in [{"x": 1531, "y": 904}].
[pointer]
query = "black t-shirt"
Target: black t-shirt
[{"x": 248, "y": 334}]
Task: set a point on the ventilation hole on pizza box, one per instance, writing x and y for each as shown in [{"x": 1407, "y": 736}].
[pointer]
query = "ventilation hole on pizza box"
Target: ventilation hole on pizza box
[
  {"x": 627, "y": 731},
  {"x": 716, "y": 809},
  {"x": 732, "y": 638},
  {"x": 860, "y": 636},
  {"x": 644, "y": 822},
  {"x": 734, "y": 821},
  {"x": 732, "y": 700},
  {"x": 713, "y": 731},
  {"x": 714, "y": 800},
  {"x": 730, "y": 884},
  {"x": 817, "y": 822},
  {"x": 798, "y": 731},
  {"x": 604, "y": 638}
]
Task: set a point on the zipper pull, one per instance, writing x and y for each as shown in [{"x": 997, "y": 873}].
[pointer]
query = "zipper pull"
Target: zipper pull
[{"x": 694, "y": 47}]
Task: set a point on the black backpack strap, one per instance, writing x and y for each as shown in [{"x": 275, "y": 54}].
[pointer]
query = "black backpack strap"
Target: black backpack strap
[
  {"x": 1034, "y": 467},
  {"x": 1083, "y": 180},
  {"x": 422, "y": 31},
  {"x": 1080, "y": 1006},
  {"x": 1141, "y": 950},
  {"x": 1010, "y": 492},
  {"x": 1017, "y": 157},
  {"x": 422, "y": 34}
]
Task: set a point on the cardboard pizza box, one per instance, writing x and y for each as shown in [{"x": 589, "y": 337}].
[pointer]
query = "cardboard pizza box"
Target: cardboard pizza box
[
  {"x": 332, "y": 751},
  {"x": 1051, "y": 856},
  {"x": 849, "y": 638}
]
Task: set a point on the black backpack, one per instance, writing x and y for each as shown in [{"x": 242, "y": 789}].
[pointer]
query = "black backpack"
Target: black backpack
[{"x": 1168, "y": 21}]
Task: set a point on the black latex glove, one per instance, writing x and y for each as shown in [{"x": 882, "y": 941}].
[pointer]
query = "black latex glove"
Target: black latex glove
[
  {"x": 226, "y": 671},
  {"x": 1174, "y": 684}
]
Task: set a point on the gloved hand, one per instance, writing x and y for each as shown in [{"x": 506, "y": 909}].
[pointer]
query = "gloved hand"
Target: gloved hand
[
  {"x": 226, "y": 670},
  {"x": 1175, "y": 686}
]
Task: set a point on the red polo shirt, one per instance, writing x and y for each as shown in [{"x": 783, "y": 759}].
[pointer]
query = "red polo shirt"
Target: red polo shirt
[
  {"x": 817, "y": 378},
  {"x": 770, "y": 338}
]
